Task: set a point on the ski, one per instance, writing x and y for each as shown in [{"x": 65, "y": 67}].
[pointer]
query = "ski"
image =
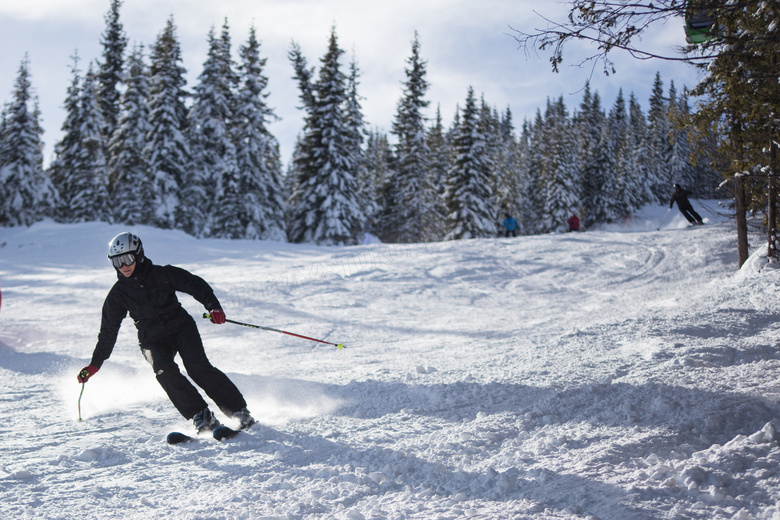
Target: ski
[
  {"x": 179, "y": 438},
  {"x": 220, "y": 433}
]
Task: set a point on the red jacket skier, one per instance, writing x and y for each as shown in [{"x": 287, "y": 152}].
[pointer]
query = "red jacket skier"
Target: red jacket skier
[{"x": 574, "y": 222}]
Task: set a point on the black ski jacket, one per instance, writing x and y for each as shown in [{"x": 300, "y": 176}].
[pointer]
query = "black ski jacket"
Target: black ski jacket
[
  {"x": 681, "y": 197},
  {"x": 149, "y": 295}
]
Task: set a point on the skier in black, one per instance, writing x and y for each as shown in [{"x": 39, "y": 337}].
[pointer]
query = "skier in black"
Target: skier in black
[
  {"x": 684, "y": 205},
  {"x": 148, "y": 293}
]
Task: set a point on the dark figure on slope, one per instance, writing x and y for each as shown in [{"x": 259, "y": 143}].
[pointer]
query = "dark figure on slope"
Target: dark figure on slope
[
  {"x": 684, "y": 205},
  {"x": 510, "y": 225},
  {"x": 148, "y": 293}
]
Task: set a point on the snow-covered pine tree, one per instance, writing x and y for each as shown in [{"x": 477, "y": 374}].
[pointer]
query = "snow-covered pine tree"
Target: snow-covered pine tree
[
  {"x": 27, "y": 195},
  {"x": 490, "y": 123},
  {"x": 3, "y": 134},
  {"x": 637, "y": 171},
  {"x": 525, "y": 181},
  {"x": 589, "y": 127},
  {"x": 260, "y": 206},
  {"x": 379, "y": 168},
  {"x": 132, "y": 187},
  {"x": 440, "y": 151},
  {"x": 411, "y": 216},
  {"x": 469, "y": 196},
  {"x": 66, "y": 150},
  {"x": 538, "y": 149},
  {"x": 680, "y": 167},
  {"x": 560, "y": 176},
  {"x": 167, "y": 148},
  {"x": 617, "y": 126},
  {"x": 605, "y": 202},
  {"x": 111, "y": 69},
  {"x": 213, "y": 173},
  {"x": 326, "y": 209},
  {"x": 300, "y": 170},
  {"x": 357, "y": 130},
  {"x": 659, "y": 145},
  {"x": 509, "y": 194},
  {"x": 87, "y": 198},
  {"x": 79, "y": 171}
]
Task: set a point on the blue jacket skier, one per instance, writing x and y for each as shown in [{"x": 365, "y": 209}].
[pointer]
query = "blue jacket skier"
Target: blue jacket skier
[
  {"x": 510, "y": 226},
  {"x": 148, "y": 293}
]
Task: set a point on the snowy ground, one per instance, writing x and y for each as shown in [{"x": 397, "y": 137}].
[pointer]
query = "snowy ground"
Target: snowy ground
[{"x": 625, "y": 373}]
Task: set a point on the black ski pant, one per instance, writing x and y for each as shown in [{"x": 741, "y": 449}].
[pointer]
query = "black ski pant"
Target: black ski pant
[
  {"x": 689, "y": 213},
  {"x": 185, "y": 397}
]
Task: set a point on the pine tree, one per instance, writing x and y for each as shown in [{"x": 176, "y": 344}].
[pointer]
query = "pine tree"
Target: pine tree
[
  {"x": 27, "y": 195},
  {"x": 737, "y": 115},
  {"x": 373, "y": 188},
  {"x": 411, "y": 217},
  {"x": 618, "y": 136},
  {"x": 560, "y": 180},
  {"x": 326, "y": 208},
  {"x": 110, "y": 74},
  {"x": 68, "y": 148},
  {"x": 490, "y": 125},
  {"x": 603, "y": 204},
  {"x": 680, "y": 167},
  {"x": 79, "y": 170},
  {"x": 4, "y": 151},
  {"x": 469, "y": 196},
  {"x": 167, "y": 148},
  {"x": 440, "y": 151},
  {"x": 301, "y": 170},
  {"x": 658, "y": 143},
  {"x": 131, "y": 185},
  {"x": 213, "y": 174},
  {"x": 260, "y": 202},
  {"x": 589, "y": 126},
  {"x": 88, "y": 185},
  {"x": 638, "y": 173},
  {"x": 356, "y": 126},
  {"x": 525, "y": 181},
  {"x": 509, "y": 192}
]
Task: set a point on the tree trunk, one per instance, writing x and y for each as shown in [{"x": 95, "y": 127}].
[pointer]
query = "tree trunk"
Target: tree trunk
[{"x": 742, "y": 236}]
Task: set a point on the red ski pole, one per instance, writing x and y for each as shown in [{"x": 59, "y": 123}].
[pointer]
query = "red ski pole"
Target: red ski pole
[{"x": 339, "y": 346}]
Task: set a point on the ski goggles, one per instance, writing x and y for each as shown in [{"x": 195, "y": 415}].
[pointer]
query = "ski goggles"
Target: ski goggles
[{"x": 123, "y": 260}]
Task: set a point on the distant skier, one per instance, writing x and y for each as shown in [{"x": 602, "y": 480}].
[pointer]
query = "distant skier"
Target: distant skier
[
  {"x": 574, "y": 222},
  {"x": 510, "y": 226},
  {"x": 684, "y": 205},
  {"x": 148, "y": 293}
]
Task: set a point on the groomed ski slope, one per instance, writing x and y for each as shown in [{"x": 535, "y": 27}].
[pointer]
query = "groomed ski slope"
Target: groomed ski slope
[{"x": 624, "y": 373}]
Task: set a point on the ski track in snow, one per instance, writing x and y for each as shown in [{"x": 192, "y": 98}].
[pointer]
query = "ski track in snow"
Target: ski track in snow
[{"x": 623, "y": 373}]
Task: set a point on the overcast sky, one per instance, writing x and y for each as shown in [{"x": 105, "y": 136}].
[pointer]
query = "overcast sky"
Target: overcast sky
[{"x": 464, "y": 42}]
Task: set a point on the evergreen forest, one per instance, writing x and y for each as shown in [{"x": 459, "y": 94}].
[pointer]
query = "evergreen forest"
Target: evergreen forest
[{"x": 139, "y": 148}]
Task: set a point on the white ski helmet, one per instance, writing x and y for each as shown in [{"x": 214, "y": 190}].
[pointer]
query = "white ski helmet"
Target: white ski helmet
[{"x": 126, "y": 243}]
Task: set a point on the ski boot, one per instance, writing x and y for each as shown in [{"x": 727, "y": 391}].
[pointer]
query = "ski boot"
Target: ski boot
[
  {"x": 245, "y": 419},
  {"x": 205, "y": 421}
]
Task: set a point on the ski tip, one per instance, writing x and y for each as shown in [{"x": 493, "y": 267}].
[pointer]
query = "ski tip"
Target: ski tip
[
  {"x": 178, "y": 438},
  {"x": 223, "y": 432},
  {"x": 339, "y": 346}
]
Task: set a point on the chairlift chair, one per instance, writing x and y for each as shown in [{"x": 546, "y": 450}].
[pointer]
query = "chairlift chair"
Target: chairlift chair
[{"x": 699, "y": 23}]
